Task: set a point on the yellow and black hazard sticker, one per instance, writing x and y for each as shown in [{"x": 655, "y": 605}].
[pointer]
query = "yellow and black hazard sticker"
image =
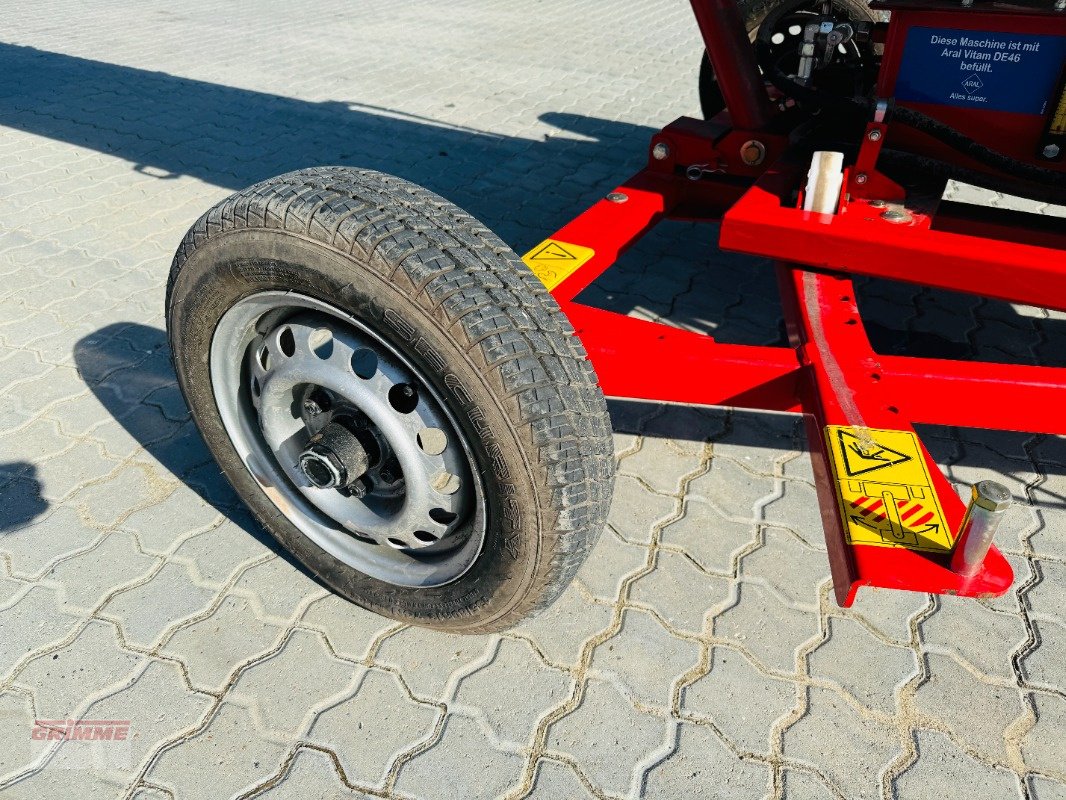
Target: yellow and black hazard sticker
[
  {"x": 553, "y": 261},
  {"x": 884, "y": 491}
]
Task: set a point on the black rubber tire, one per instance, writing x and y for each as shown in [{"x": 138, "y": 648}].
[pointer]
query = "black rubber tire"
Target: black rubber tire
[
  {"x": 754, "y": 12},
  {"x": 418, "y": 270}
]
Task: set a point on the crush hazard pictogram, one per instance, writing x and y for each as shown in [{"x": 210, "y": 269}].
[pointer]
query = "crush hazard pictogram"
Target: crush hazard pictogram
[
  {"x": 884, "y": 490},
  {"x": 553, "y": 261},
  {"x": 862, "y": 456}
]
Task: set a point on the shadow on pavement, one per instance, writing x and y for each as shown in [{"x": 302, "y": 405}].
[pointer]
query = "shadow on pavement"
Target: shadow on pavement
[
  {"x": 127, "y": 367},
  {"x": 20, "y": 495}
]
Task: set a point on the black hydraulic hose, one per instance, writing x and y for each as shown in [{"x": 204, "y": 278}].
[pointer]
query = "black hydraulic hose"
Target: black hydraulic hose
[{"x": 943, "y": 133}]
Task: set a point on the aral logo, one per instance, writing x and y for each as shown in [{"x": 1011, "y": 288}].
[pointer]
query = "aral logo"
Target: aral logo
[{"x": 973, "y": 83}]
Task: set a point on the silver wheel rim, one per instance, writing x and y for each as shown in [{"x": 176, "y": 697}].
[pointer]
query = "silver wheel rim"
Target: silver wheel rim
[{"x": 285, "y": 367}]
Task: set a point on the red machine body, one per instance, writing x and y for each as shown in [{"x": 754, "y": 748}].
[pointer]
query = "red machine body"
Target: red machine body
[
  {"x": 1016, "y": 51},
  {"x": 746, "y": 169}
]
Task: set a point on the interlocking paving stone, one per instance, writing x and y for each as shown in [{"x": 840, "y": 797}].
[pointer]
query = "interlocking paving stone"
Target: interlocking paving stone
[
  {"x": 96, "y": 573},
  {"x": 639, "y": 655},
  {"x": 637, "y": 511},
  {"x": 288, "y": 687},
  {"x": 974, "y": 635},
  {"x": 859, "y": 751},
  {"x": 212, "y": 647},
  {"x": 149, "y": 609},
  {"x": 1041, "y": 788},
  {"x": 560, "y": 632},
  {"x": 982, "y": 722},
  {"x": 63, "y": 681},
  {"x": 680, "y": 593},
  {"x": 943, "y": 772},
  {"x": 207, "y": 765},
  {"x": 512, "y": 692},
  {"x": 703, "y": 764},
  {"x": 868, "y": 669},
  {"x": 770, "y": 629},
  {"x": 623, "y": 739},
  {"x": 730, "y": 488},
  {"x": 119, "y": 130},
  {"x": 349, "y": 630},
  {"x": 1044, "y": 747},
  {"x": 1043, "y": 665},
  {"x": 474, "y": 769},
  {"x": 371, "y": 728},
  {"x": 427, "y": 659},
  {"x": 708, "y": 537},
  {"x": 554, "y": 779},
  {"x": 311, "y": 774},
  {"x": 740, "y": 700},
  {"x": 35, "y": 621}
]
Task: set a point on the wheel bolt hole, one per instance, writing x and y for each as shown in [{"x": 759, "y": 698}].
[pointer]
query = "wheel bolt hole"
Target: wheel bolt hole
[
  {"x": 403, "y": 397},
  {"x": 425, "y": 536},
  {"x": 433, "y": 441},
  {"x": 441, "y": 516},
  {"x": 397, "y": 543},
  {"x": 287, "y": 342},
  {"x": 321, "y": 342},
  {"x": 364, "y": 363},
  {"x": 446, "y": 483}
]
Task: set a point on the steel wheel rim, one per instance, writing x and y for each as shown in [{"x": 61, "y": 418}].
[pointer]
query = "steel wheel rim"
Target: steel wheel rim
[{"x": 273, "y": 351}]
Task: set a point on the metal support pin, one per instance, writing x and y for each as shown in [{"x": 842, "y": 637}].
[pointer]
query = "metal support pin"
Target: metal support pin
[{"x": 988, "y": 506}]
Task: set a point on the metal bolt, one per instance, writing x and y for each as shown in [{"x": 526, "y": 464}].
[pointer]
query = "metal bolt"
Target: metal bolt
[
  {"x": 878, "y": 204},
  {"x": 617, "y": 197},
  {"x": 1052, "y": 150},
  {"x": 312, "y": 408},
  {"x": 874, "y": 135},
  {"x": 1060, "y": 5},
  {"x": 896, "y": 215},
  {"x": 861, "y": 178},
  {"x": 989, "y": 502},
  {"x": 752, "y": 152},
  {"x": 967, "y": 3},
  {"x": 661, "y": 151}
]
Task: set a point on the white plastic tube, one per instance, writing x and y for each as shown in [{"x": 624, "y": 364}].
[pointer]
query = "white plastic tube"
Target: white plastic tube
[{"x": 824, "y": 180}]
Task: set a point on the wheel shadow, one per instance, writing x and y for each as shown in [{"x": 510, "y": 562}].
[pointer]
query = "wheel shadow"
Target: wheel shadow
[{"x": 128, "y": 369}]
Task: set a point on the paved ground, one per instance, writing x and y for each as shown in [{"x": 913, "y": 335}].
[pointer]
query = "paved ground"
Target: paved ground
[{"x": 698, "y": 654}]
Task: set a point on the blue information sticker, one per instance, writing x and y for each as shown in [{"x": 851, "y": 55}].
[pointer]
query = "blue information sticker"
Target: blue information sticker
[{"x": 981, "y": 69}]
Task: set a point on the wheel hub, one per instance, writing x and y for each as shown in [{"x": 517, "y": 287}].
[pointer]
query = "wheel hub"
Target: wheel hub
[
  {"x": 334, "y": 458},
  {"x": 348, "y": 440}
]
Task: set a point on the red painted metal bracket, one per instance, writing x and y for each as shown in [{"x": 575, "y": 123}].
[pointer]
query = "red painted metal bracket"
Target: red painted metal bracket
[{"x": 829, "y": 372}]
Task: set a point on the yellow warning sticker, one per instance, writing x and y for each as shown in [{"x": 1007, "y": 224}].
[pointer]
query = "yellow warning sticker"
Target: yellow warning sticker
[
  {"x": 553, "y": 261},
  {"x": 884, "y": 491}
]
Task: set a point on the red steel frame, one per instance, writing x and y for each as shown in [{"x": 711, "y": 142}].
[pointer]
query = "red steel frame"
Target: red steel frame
[{"x": 829, "y": 372}]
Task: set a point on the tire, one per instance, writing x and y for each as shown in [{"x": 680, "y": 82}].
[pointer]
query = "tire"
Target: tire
[
  {"x": 445, "y": 299},
  {"x": 754, "y": 12}
]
